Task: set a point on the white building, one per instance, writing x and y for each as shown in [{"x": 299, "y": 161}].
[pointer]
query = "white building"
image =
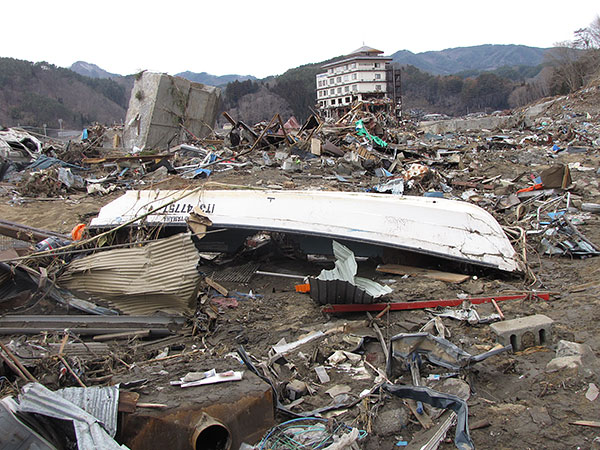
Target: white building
[{"x": 361, "y": 75}]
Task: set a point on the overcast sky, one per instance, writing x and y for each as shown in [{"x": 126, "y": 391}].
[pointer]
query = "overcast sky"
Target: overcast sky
[{"x": 268, "y": 37}]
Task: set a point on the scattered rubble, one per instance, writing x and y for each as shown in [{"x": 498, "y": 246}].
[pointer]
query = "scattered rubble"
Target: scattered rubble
[{"x": 214, "y": 288}]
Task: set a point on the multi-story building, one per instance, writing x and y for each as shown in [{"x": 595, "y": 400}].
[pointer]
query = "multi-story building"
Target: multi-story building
[{"x": 361, "y": 75}]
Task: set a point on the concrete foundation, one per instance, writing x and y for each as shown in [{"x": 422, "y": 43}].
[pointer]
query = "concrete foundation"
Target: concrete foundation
[
  {"x": 459, "y": 125},
  {"x": 524, "y": 332},
  {"x": 161, "y": 104}
]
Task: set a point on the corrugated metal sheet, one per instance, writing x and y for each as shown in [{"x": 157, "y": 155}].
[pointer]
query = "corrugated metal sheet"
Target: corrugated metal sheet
[
  {"x": 35, "y": 398},
  {"x": 4, "y": 276},
  {"x": 159, "y": 276},
  {"x": 100, "y": 402},
  {"x": 336, "y": 292},
  {"x": 341, "y": 285},
  {"x": 14, "y": 434},
  {"x": 237, "y": 274}
]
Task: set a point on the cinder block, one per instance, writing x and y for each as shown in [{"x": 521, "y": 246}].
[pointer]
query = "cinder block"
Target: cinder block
[{"x": 524, "y": 332}]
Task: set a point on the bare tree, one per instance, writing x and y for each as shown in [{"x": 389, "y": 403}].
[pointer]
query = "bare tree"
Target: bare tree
[
  {"x": 588, "y": 38},
  {"x": 576, "y": 62}
]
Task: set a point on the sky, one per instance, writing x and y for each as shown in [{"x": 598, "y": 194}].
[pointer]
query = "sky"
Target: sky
[{"x": 267, "y": 37}]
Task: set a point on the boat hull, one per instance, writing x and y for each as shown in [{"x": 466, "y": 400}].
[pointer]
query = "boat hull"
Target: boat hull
[{"x": 445, "y": 228}]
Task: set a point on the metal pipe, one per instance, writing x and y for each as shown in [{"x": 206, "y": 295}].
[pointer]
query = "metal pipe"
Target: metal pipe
[
  {"x": 282, "y": 275},
  {"x": 210, "y": 434}
]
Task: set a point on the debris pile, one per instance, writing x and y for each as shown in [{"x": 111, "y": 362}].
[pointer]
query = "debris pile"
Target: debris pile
[{"x": 359, "y": 283}]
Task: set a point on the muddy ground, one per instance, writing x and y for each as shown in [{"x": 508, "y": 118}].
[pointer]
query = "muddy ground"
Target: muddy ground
[
  {"x": 514, "y": 403},
  {"x": 514, "y": 400}
]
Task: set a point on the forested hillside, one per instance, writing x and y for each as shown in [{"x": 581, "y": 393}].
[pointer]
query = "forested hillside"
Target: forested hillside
[
  {"x": 477, "y": 58},
  {"x": 35, "y": 94}
]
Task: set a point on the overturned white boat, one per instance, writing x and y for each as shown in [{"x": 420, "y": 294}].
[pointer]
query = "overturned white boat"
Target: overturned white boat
[{"x": 443, "y": 228}]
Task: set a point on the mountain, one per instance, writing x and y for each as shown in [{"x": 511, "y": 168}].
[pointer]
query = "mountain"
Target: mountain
[
  {"x": 478, "y": 58},
  {"x": 34, "y": 94},
  {"x": 91, "y": 70},
  {"x": 213, "y": 80}
]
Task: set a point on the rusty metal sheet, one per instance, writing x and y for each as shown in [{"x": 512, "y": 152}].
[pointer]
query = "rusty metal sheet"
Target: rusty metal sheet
[
  {"x": 245, "y": 408},
  {"x": 161, "y": 276}
]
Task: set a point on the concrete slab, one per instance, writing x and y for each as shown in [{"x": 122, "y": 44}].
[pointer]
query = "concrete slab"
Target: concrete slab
[
  {"x": 524, "y": 332},
  {"x": 461, "y": 125},
  {"x": 160, "y": 105}
]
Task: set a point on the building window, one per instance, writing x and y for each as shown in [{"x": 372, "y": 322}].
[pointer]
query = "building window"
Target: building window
[
  {"x": 376, "y": 65},
  {"x": 353, "y": 66},
  {"x": 346, "y": 88},
  {"x": 339, "y": 79},
  {"x": 378, "y": 76},
  {"x": 354, "y": 76},
  {"x": 331, "y": 81},
  {"x": 346, "y": 67},
  {"x": 333, "y": 101},
  {"x": 347, "y": 99},
  {"x": 355, "y": 87},
  {"x": 339, "y": 90},
  {"x": 332, "y": 91},
  {"x": 378, "y": 87},
  {"x": 345, "y": 77},
  {"x": 330, "y": 71}
]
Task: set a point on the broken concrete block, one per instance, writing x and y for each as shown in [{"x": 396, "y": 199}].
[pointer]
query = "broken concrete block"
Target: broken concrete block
[
  {"x": 322, "y": 374},
  {"x": 565, "y": 362},
  {"x": 573, "y": 356},
  {"x": 568, "y": 348},
  {"x": 524, "y": 331},
  {"x": 540, "y": 416},
  {"x": 161, "y": 105},
  {"x": 391, "y": 421},
  {"x": 296, "y": 389}
]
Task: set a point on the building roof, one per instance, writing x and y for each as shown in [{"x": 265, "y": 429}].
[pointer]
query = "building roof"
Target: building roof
[
  {"x": 356, "y": 58},
  {"x": 365, "y": 49}
]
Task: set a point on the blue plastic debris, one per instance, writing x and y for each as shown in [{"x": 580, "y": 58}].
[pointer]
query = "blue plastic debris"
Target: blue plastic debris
[
  {"x": 435, "y": 194},
  {"x": 202, "y": 173}
]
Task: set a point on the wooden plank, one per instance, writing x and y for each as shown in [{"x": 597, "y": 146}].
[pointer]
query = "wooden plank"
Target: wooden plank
[
  {"x": 216, "y": 286},
  {"x": 128, "y": 401},
  {"x": 21, "y": 367},
  {"x": 585, "y": 286},
  {"x": 126, "y": 158},
  {"x": 424, "y": 418},
  {"x": 122, "y": 335},
  {"x": 398, "y": 269},
  {"x": 587, "y": 423}
]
